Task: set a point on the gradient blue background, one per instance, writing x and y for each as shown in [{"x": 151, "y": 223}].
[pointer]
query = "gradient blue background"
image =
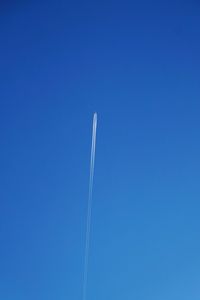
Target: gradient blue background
[{"x": 137, "y": 64}]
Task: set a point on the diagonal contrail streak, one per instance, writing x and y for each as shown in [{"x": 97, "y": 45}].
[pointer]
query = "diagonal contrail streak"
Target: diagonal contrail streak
[{"x": 89, "y": 209}]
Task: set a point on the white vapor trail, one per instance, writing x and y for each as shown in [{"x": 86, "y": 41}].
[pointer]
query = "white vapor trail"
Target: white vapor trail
[{"x": 89, "y": 209}]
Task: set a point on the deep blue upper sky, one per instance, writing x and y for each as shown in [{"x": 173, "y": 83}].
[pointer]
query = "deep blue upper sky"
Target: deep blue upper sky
[{"x": 137, "y": 64}]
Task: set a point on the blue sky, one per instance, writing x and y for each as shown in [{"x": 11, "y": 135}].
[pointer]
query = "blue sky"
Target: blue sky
[{"x": 137, "y": 64}]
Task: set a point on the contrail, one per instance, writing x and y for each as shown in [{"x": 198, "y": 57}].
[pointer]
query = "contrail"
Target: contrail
[{"x": 89, "y": 209}]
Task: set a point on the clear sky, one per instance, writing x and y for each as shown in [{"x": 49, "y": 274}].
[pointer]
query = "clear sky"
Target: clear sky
[{"x": 137, "y": 64}]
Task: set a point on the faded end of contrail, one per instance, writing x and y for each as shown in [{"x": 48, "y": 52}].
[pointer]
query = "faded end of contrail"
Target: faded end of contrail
[{"x": 89, "y": 209}]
